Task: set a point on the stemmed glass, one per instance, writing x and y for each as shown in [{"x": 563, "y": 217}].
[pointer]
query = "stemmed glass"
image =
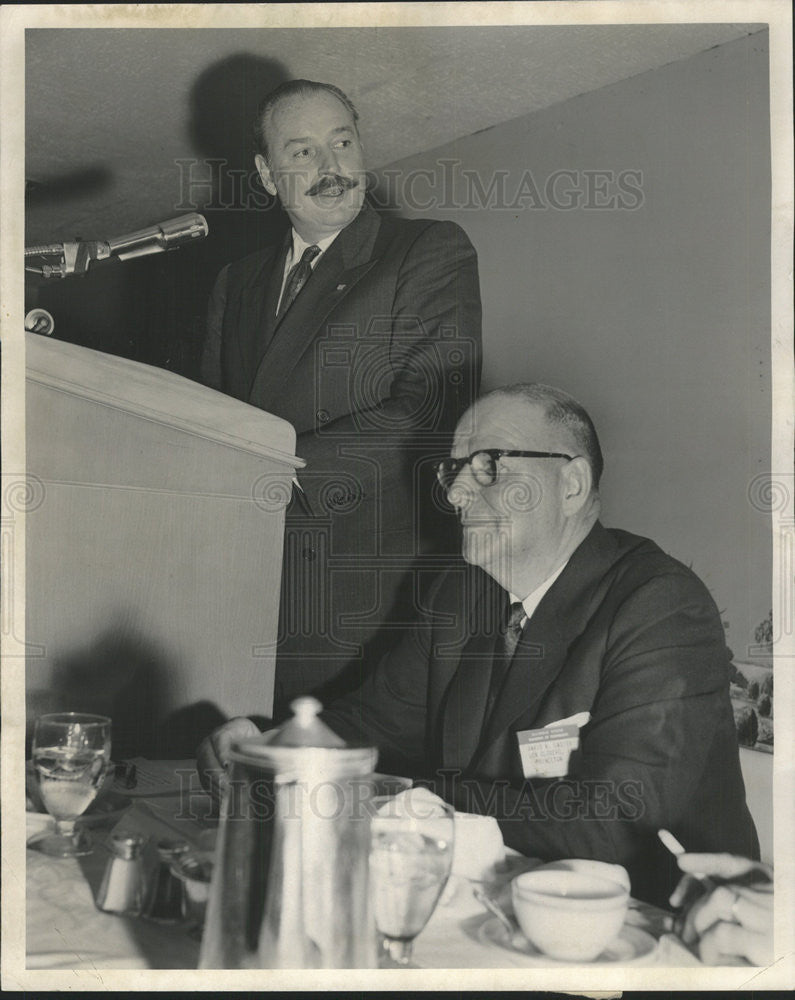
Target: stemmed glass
[
  {"x": 71, "y": 755},
  {"x": 410, "y": 859}
]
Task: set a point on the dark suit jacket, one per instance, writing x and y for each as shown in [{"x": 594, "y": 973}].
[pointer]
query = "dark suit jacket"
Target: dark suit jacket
[
  {"x": 626, "y": 633},
  {"x": 373, "y": 365}
]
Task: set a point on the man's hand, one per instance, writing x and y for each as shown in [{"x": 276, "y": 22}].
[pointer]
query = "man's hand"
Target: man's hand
[
  {"x": 212, "y": 757},
  {"x": 730, "y": 921}
]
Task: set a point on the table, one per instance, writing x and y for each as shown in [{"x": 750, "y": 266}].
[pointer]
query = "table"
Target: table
[{"x": 65, "y": 930}]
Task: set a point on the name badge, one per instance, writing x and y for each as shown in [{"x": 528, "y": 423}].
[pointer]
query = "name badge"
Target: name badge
[{"x": 545, "y": 752}]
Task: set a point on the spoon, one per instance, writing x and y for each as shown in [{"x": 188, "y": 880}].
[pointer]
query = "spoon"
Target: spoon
[{"x": 494, "y": 907}]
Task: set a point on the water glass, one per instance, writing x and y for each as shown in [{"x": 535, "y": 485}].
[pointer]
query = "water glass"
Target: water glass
[
  {"x": 71, "y": 756},
  {"x": 410, "y": 859}
]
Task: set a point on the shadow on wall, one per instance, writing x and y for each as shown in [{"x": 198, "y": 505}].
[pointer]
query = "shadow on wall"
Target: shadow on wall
[
  {"x": 125, "y": 677},
  {"x": 153, "y": 309},
  {"x": 57, "y": 190},
  {"x": 241, "y": 216},
  {"x": 223, "y": 103}
]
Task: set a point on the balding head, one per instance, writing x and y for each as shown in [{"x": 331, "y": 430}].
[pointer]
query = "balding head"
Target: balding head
[
  {"x": 523, "y": 474},
  {"x": 567, "y": 415}
]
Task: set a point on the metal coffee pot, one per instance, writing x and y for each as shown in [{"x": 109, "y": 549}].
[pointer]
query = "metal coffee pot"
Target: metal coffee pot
[{"x": 290, "y": 883}]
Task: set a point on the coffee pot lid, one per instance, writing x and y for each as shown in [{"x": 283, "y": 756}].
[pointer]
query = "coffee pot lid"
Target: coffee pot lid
[
  {"x": 305, "y": 742},
  {"x": 305, "y": 729}
]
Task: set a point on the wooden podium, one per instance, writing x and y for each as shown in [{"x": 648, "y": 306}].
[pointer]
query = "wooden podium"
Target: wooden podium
[{"x": 153, "y": 547}]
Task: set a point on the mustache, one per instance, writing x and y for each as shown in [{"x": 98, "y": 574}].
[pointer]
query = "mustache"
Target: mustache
[{"x": 329, "y": 181}]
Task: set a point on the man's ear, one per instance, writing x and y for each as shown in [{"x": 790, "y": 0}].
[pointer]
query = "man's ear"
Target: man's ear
[
  {"x": 265, "y": 174},
  {"x": 577, "y": 479}
]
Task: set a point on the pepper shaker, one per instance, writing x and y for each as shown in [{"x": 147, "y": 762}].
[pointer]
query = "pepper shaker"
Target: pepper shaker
[
  {"x": 122, "y": 886},
  {"x": 166, "y": 898}
]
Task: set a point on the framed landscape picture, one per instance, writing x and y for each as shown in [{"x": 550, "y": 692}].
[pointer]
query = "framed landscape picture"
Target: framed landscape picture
[{"x": 751, "y": 692}]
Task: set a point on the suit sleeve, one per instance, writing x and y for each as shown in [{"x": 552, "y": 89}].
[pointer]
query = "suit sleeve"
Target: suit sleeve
[
  {"x": 436, "y": 302},
  {"x": 659, "y": 751},
  {"x": 211, "y": 354},
  {"x": 389, "y": 709}
]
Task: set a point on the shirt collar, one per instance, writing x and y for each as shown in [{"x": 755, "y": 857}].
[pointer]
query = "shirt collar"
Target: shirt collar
[
  {"x": 533, "y": 599},
  {"x": 299, "y": 245}
]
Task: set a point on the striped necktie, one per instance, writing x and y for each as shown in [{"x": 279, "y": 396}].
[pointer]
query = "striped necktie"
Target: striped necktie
[
  {"x": 297, "y": 278},
  {"x": 504, "y": 651}
]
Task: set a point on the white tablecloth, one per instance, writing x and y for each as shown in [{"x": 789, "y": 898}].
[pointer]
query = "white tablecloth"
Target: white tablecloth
[{"x": 65, "y": 930}]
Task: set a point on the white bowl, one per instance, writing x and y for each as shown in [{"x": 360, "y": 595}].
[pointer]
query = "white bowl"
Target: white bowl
[
  {"x": 586, "y": 866},
  {"x": 569, "y": 915}
]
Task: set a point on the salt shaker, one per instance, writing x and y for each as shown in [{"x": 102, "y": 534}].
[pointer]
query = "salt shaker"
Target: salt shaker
[
  {"x": 122, "y": 887},
  {"x": 166, "y": 898}
]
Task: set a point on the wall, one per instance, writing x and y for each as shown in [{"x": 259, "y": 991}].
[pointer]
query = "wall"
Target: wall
[{"x": 656, "y": 315}]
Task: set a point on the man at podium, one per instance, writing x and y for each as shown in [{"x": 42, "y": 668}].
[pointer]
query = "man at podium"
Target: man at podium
[{"x": 363, "y": 331}]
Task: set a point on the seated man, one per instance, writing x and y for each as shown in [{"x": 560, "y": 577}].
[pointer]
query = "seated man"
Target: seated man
[{"x": 612, "y": 648}]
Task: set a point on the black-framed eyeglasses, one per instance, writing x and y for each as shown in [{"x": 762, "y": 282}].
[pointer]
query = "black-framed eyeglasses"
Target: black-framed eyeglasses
[{"x": 484, "y": 464}]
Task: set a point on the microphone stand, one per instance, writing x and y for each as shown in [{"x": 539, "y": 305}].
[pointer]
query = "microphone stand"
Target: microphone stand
[{"x": 75, "y": 257}]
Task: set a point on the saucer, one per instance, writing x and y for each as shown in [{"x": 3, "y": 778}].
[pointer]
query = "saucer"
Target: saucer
[{"x": 632, "y": 946}]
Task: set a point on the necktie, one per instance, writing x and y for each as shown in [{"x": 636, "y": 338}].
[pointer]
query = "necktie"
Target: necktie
[
  {"x": 297, "y": 278},
  {"x": 503, "y": 653}
]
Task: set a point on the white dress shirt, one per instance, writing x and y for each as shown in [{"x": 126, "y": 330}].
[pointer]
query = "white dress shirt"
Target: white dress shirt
[
  {"x": 297, "y": 252},
  {"x": 533, "y": 599}
]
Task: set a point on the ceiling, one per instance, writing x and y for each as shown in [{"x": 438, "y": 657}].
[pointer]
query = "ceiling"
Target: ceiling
[{"x": 110, "y": 112}]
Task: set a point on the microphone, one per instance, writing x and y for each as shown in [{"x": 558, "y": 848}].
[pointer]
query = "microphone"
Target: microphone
[
  {"x": 162, "y": 236},
  {"x": 75, "y": 257}
]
